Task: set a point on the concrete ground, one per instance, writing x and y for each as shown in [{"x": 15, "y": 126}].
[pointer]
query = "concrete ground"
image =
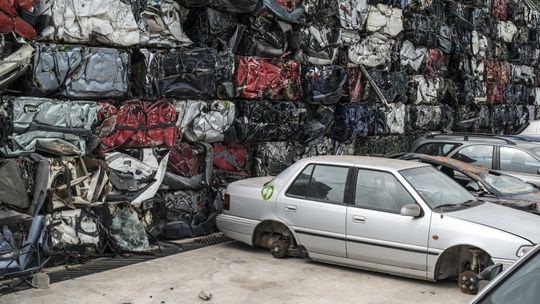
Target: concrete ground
[{"x": 237, "y": 273}]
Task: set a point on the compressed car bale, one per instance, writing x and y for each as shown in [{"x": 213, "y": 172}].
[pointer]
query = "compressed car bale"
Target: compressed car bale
[
  {"x": 80, "y": 72},
  {"x": 258, "y": 121},
  {"x": 137, "y": 124},
  {"x": 188, "y": 73},
  {"x": 49, "y": 125},
  {"x": 274, "y": 79},
  {"x": 206, "y": 121}
]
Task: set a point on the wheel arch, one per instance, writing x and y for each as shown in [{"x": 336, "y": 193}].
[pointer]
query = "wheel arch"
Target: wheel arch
[
  {"x": 451, "y": 261},
  {"x": 272, "y": 226}
]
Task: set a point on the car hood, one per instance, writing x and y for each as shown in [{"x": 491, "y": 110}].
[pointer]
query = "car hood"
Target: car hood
[{"x": 520, "y": 223}]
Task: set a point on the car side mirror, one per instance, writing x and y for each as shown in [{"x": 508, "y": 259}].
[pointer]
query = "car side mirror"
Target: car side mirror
[
  {"x": 490, "y": 273},
  {"x": 473, "y": 186},
  {"x": 411, "y": 210},
  {"x": 538, "y": 172}
]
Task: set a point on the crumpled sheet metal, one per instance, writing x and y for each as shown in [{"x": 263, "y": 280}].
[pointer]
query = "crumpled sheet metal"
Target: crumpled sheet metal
[
  {"x": 190, "y": 166},
  {"x": 15, "y": 64},
  {"x": 383, "y": 145},
  {"x": 506, "y": 31},
  {"x": 25, "y": 253},
  {"x": 289, "y": 12},
  {"x": 205, "y": 121},
  {"x": 77, "y": 182},
  {"x": 161, "y": 24},
  {"x": 327, "y": 146},
  {"x": 207, "y": 26},
  {"x": 355, "y": 85},
  {"x": 420, "y": 29},
  {"x": 263, "y": 37},
  {"x": 177, "y": 73},
  {"x": 516, "y": 94},
  {"x": 10, "y": 21},
  {"x": 271, "y": 158},
  {"x": 231, "y": 6},
  {"x": 351, "y": 121},
  {"x": 72, "y": 229},
  {"x": 79, "y": 21},
  {"x": 325, "y": 84},
  {"x": 499, "y": 9},
  {"x": 396, "y": 118},
  {"x": 320, "y": 45},
  {"x": 426, "y": 90},
  {"x": 14, "y": 183},
  {"x": 425, "y": 117},
  {"x": 353, "y": 14},
  {"x": 393, "y": 86},
  {"x": 480, "y": 44},
  {"x": 52, "y": 126},
  {"x": 189, "y": 214},
  {"x": 232, "y": 158},
  {"x": 269, "y": 121},
  {"x": 135, "y": 180},
  {"x": 412, "y": 58},
  {"x": 373, "y": 51},
  {"x": 385, "y": 19},
  {"x": 260, "y": 78},
  {"x": 137, "y": 124},
  {"x": 523, "y": 74},
  {"x": 80, "y": 72},
  {"x": 127, "y": 230}
]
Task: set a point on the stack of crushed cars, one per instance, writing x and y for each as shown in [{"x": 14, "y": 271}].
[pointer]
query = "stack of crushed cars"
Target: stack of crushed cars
[{"x": 122, "y": 122}]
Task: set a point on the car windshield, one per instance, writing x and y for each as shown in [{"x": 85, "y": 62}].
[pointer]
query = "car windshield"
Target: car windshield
[
  {"x": 521, "y": 286},
  {"x": 437, "y": 189},
  {"x": 536, "y": 151},
  {"x": 506, "y": 184}
]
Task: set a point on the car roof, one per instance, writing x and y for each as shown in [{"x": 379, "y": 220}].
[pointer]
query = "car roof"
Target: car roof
[
  {"x": 474, "y": 139},
  {"x": 386, "y": 164}
]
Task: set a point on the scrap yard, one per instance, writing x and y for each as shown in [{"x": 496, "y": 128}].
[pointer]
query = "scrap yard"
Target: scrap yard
[{"x": 232, "y": 151}]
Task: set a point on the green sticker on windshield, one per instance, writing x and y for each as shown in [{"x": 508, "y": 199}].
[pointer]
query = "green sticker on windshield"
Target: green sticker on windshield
[{"x": 267, "y": 192}]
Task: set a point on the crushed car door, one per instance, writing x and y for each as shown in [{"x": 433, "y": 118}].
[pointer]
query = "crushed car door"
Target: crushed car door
[
  {"x": 313, "y": 205},
  {"x": 378, "y": 236}
]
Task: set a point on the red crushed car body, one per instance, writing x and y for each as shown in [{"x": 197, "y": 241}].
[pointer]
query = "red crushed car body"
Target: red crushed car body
[
  {"x": 276, "y": 79},
  {"x": 138, "y": 124}
]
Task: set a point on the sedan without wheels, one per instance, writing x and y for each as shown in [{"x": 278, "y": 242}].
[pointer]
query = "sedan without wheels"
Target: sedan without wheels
[{"x": 392, "y": 216}]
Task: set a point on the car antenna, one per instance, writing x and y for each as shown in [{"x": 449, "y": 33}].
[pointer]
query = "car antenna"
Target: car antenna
[{"x": 442, "y": 212}]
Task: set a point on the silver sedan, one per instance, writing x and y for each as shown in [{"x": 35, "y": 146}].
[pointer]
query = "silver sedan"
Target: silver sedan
[{"x": 393, "y": 216}]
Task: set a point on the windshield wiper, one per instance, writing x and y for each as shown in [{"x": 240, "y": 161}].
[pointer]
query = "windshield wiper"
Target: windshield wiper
[
  {"x": 468, "y": 203},
  {"x": 446, "y": 205}
]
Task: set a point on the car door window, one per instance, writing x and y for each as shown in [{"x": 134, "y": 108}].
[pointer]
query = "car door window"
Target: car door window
[
  {"x": 515, "y": 160},
  {"x": 481, "y": 155},
  {"x": 382, "y": 191},
  {"x": 436, "y": 149},
  {"x": 522, "y": 286},
  {"x": 321, "y": 183},
  {"x": 300, "y": 185}
]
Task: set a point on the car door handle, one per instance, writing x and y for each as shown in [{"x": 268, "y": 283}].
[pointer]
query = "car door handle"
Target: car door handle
[
  {"x": 358, "y": 219},
  {"x": 290, "y": 208}
]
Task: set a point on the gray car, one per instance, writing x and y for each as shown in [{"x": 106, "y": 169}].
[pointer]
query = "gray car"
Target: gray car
[
  {"x": 393, "y": 216},
  {"x": 509, "y": 154}
]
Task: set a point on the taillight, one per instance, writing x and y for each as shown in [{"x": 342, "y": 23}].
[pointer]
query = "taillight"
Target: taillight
[{"x": 226, "y": 202}]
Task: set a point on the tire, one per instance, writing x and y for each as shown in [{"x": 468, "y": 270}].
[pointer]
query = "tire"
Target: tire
[{"x": 279, "y": 249}]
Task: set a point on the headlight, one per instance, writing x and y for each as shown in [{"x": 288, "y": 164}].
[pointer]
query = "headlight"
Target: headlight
[{"x": 523, "y": 250}]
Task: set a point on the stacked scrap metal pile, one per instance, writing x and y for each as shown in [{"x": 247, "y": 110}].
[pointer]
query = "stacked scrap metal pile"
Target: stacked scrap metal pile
[{"x": 121, "y": 122}]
